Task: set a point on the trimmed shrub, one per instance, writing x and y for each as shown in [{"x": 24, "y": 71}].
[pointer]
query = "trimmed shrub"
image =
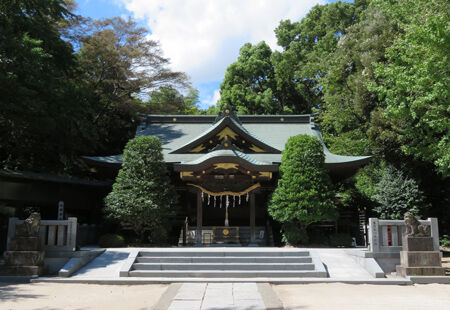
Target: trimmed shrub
[
  {"x": 340, "y": 240},
  {"x": 111, "y": 241},
  {"x": 304, "y": 194},
  {"x": 294, "y": 234},
  {"x": 143, "y": 195}
]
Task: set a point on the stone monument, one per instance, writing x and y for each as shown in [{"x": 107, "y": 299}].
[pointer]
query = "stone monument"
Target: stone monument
[
  {"x": 24, "y": 256},
  {"x": 418, "y": 257}
]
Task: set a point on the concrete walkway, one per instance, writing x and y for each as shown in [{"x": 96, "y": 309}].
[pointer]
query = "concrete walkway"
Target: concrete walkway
[
  {"x": 340, "y": 265},
  {"x": 218, "y": 296}
]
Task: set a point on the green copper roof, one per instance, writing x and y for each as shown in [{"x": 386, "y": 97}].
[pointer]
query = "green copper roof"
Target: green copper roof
[
  {"x": 225, "y": 153},
  {"x": 177, "y": 131}
]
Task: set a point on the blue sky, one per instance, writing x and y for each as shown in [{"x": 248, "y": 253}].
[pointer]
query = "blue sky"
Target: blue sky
[{"x": 202, "y": 37}]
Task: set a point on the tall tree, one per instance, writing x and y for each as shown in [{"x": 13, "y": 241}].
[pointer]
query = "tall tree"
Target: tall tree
[
  {"x": 118, "y": 63},
  {"x": 307, "y": 44},
  {"x": 349, "y": 115},
  {"x": 168, "y": 100},
  {"x": 42, "y": 110},
  {"x": 249, "y": 82},
  {"x": 413, "y": 82}
]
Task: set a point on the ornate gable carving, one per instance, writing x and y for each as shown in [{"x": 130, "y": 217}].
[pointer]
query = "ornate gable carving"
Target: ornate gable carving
[{"x": 227, "y": 127}]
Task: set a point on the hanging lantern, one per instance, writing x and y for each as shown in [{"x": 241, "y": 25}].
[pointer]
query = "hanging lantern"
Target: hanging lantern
[
  {"x": 214, "y": 201},
  {"x": 209, "y": 198},
  {"x": 202, "y": 196},
  {"x": 247, "y": 197}
]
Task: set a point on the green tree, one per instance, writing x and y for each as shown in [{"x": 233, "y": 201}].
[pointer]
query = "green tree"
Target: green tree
[
  {"x": 308, "y": 44},
  {"x": 43, "y": 111},
  {"x": 168, "y": 100},
  {"x": 413, "y": 82},
  {"x": 304, "y": 194},
  {"x": 396, "y": 194},
  {"x": 118, "y": 63},
  {"x": 249, "y": 82},
  {"x": 142, "y": 194},
  {"x": 350, "y": 114}
]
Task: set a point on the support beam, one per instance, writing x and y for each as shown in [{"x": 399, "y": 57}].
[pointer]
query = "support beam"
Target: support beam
[
  {"x": 252, "y": 217},
  {"x": 198, "y": 233}
]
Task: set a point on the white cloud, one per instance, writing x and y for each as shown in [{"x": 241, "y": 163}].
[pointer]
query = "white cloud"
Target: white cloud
[
  {"x": 211, "y": 100},
  {"x": 202, "y": 37}
]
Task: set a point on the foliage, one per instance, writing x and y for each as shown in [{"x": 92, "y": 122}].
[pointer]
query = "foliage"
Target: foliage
[
  {"x": 58, "y": 104},
  {"x": 414, "y": 80},
  {"x": 396, "y": 194},
  {"x": 42, "y": 109},
  {"x": 294, "y": 234},
  {"x": 248, "y": 84},
  {"x": 168, "y": 100},
  {"x": 118, "y": 62},
  {"x": 111, "y": 241},
  {"x": 445, "y": 241},
  {"x": 142, "y": 194},
  {"x": 304, "y": 193},
  {"x": 261, "y": 82},
  {"x": 350, "y": 110},
  {"x": 340, "y": 240},
  {"x": 309, "y": 42}
]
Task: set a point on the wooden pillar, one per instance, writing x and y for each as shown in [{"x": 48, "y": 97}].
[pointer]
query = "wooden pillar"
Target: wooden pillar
[
  {"x": 252, "y": 217},
  {"x": 199, "y": 218}
]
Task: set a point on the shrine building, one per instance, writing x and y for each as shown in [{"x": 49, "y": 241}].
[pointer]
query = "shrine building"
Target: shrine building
[{"x": 225, "y": 167}]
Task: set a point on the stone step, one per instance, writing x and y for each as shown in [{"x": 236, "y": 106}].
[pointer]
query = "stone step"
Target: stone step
[
  {"x": 223, "y": 266},
  {"x": 225, "y": 259},
  {"x": 22, "y": 270},
  {"x": 228, "y": 273},
  {"x": 24, "y": 258},
  {"x": 209, "y": 253}
]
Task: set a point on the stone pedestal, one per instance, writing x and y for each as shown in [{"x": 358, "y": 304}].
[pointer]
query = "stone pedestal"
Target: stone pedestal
[
  {"x": 25, "y": 257},
  {"x": 419, "y": 259}
]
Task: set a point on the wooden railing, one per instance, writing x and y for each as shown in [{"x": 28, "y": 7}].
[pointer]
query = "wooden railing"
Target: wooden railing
[
  {"x": 386, "y": 235},
  {"x": 56, "y": 235}
]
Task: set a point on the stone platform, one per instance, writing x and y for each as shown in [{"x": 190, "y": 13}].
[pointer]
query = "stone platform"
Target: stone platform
[
  {"x": 24, "y": 256},
  {"x": 418, "y": 258}
]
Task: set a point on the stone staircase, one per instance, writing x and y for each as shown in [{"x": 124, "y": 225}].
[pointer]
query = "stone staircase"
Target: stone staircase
[{"x": 227, "y": 263}]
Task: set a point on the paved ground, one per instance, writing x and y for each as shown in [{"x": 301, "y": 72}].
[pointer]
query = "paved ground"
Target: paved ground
[
  {"x": 334, "y": 296},
  {"x": 214, "y": 296},
  {"x": 52, "y": 296},
  {"x": 338, "y": 296},
  {"x": 105, "y": 266},
  {"x": 340, "y": 265}
]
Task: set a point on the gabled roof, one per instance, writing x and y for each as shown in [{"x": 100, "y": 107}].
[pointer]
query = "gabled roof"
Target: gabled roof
[
  {"x": 226, "y": 126},
  {"x": 180, "y": 133},
  {"x": 226, "y": 156}
]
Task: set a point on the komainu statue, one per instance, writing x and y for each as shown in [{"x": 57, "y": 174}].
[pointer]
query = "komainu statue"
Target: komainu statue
[
  {"x": 414, "y": 228},
  {"x": 30, "y": 226}
]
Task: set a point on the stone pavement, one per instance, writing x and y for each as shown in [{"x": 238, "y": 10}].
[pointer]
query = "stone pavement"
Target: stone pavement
[
  {"x": 340, "y": 265},
  {"x": 218, "y": 296}
]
